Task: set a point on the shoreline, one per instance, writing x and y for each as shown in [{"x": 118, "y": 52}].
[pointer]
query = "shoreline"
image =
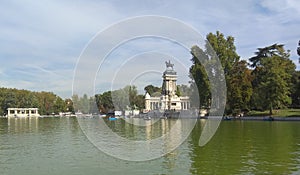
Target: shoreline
[
  {"x": 226, "y": 118},
  {"x": 263, "y": 118}
]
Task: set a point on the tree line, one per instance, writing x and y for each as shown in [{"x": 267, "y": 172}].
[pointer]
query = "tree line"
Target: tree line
[
  {"x": 47, "y": 102},
  {"x": 268, "y": 80},
  {"x": 126, "y": 98}
]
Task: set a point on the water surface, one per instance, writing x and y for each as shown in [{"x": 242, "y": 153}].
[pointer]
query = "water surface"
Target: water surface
[{"x": 58, "y": 146}]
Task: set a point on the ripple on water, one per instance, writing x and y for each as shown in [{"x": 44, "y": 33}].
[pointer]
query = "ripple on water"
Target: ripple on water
[{"x": 58, "y": 146}]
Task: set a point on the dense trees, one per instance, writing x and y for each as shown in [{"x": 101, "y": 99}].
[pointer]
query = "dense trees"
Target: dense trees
[
  {"x": 152, "y": 89},
  {"x": 273, "y": 78},
  {"x": 239, "y": 88},
  {"x": 268, "y": 81},
  {"x": 237, "y": 75},
  {"x": 295, "y": 90},
  {"x": 199, "y": 76},
  {"x": 47, "y": 102},
  {"x": 269, "y": 84},
  {"x": 121, "y": 99}
]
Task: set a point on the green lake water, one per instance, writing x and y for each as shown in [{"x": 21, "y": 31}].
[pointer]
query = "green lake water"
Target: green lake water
[{"x": 58, "y": 146}]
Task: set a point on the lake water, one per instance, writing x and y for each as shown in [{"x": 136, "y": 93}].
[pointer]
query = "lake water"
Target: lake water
[{"x": 58, "y": 146}]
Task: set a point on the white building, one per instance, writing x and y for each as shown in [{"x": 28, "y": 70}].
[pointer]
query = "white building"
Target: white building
[
  {"x": 22, "y": 112},
  {"x": 168, "y": 99}
]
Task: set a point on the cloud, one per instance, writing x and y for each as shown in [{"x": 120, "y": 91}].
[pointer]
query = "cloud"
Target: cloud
[
  {"x": 47, "y": 35},
  {"x": 40, "y": 41}
]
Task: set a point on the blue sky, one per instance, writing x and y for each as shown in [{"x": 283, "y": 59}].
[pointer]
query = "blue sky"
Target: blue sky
[{"x": 40, "y": 41}]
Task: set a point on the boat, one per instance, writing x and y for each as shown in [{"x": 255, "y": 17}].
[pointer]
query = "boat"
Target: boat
[{"x": 112, "y": 118}]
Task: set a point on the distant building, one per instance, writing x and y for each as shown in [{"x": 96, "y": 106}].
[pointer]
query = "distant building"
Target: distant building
[
  {"x": 168, "y": 99},
  {"x": 22, "y": 112}
]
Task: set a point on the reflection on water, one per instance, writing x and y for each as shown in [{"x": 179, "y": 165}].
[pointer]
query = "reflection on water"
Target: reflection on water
[
  {"x": 58, "y": 146},
  {"x": 250, "y": 147}
]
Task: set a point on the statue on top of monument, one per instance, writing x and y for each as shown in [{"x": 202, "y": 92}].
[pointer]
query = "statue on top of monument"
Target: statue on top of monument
[{"x": 169, "y": 65}]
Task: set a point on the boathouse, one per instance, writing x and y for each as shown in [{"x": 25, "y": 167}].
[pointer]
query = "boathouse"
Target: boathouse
[{"x": 22, "y": 112}]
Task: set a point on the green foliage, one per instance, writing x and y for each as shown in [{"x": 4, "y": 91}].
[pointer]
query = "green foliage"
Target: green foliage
[
  {"x": 47, "y": 102},
  {"x": 239, "y": 88},
  {"x": 69, "y": 105},
  {"x": 277, "y": 113},
  {"x": 121, "y": 99},
  {"x": 104, "y": 102},
  {"x": 152, "y": 89},
  {"x": 185, "y": 90},
  {"x": 85, "y": 104},
  {"x": 178, "y": 92},
  {"x": 199, "y": 77},
  {"x": 272, "y": 78},
  {"x": 269, "y": 51},
  {"x": 295, "y": 90},
  {"x": 224, "y": 49}
]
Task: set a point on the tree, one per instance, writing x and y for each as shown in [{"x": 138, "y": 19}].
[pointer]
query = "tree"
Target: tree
[
  {"x": 104, "y": 102},
  {"x": 132, "y": 92},
  {"x": 69, "y": 105},
  {"x": 121, "y": 99},
  {"x": 59, "y": 105},
  {"x": 75, "y": 100},
  {"x": 47, "y": 102},
  {"x": 239, "y": 88},
  {"x": 140, "y": 102},
  {"x": 200, "y": 81},
  {"x": 152, "y": 89},
  {"x": 9, "y": 101},
  {"x": 178, "y": 92},
  {"x": 222, "y": 48},
  {"x": 295, "y": 92},
  {"x": 225, "y": 50},
  {"x": 272, "y": 77},
  {"x": 85, "y": 104},
  {"x": 185, "y": 90},
  {"x": 269, "y": 51}
]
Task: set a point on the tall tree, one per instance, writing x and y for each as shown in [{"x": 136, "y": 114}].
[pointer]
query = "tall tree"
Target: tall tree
[
  {"x": 200, "y": 82},
  {"x": 296, "y": 90},
  {"x": 69, "y": 105},
  {"x": 59, "y": 105},
  {"x": 239, "y": 88},
  {"x": 269, "y": 51},
  {"x": 224, "y": 49},
  {"x": 104, "y": 102},
  {"x": 273, "y": 72}
]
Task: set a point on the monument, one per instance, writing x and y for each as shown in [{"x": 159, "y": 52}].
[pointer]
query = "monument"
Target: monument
[{"x": 168, "y": 100}]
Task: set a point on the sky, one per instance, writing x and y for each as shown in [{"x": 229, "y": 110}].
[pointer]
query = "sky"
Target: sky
[{"x": 41, "y": 41}]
